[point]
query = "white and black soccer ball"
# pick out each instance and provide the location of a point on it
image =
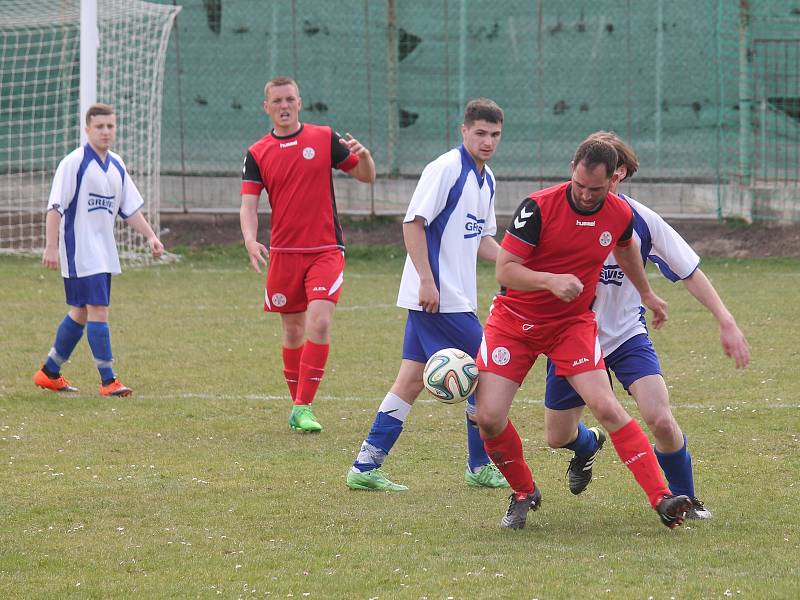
(450, 375)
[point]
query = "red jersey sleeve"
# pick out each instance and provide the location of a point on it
(340, 156)
(522, 234)
(627, 236)
(251, 177)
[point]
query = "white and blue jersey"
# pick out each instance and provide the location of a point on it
(621, 326)
(89, 193)
(457, 203)
(618, 306)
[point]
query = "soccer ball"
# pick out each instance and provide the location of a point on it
(450, 375)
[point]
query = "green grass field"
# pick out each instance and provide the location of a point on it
(195, 487)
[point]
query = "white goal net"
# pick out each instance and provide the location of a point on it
(39, 105)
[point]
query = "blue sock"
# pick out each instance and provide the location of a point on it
(68, 335)
(476, 453)
(677, 467)
(99, 337)
(586, 442)
(386, 428)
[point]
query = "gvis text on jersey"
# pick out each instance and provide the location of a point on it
(473, 226)
(611, 275)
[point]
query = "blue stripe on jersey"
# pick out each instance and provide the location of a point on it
(491, 188)
(435, 230)
(69, 214)
(664, 268)
(92, 154)
(469, 162)
(643, 231)
(647, 244)
(116, 163)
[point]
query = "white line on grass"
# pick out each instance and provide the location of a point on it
(425, 400)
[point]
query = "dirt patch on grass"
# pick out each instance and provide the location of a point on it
(708, 238)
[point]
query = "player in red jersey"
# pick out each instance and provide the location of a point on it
(549, 266)
(293, 163)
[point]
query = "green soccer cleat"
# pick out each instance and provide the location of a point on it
(488, 476)
(302, 419)
(374, 479)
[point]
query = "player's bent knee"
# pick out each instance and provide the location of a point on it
(609, 411)
(663, 426)
(558, 441)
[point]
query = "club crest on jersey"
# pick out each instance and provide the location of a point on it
(308, 153)
(278, 299)
(501, 356)
(474, 226)
(605, 238)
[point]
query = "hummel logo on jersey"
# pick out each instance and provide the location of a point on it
(319, 288)
(635, 457)
(584, 223)
(288, 144)
(474, 226)
(519, 222)
(611, 275)
(580, 361)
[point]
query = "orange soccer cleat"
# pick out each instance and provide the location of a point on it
(54, 384)
(115, 388)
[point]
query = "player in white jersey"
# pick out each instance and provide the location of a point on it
(450, 222)
(90, 188)
(629, 352)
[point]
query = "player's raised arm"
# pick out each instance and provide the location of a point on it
(248, 220)
(365, 169)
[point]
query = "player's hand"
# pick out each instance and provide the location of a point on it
(428, 296)
(659, 308)
(156, 247)
(50, 258)
(734, 344)
(565, 286)
(353, 145)
(258, 253)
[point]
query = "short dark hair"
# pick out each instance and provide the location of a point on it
(594, 152)
(280, 80)
(98, 109)
(625, 154)
(482, 109)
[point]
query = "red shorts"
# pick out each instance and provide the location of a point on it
(294, 279)
(510, 345)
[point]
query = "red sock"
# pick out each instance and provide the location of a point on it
(506, 452)
(291, 368)
(634, 449)
(312, 367)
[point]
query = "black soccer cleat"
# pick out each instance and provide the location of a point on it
(579, 471)
(698, 510)
(673, 509)
(518, 509)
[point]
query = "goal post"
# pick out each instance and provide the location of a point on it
(41, 109)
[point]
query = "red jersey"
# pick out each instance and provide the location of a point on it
(296, 172)
(554, 236)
